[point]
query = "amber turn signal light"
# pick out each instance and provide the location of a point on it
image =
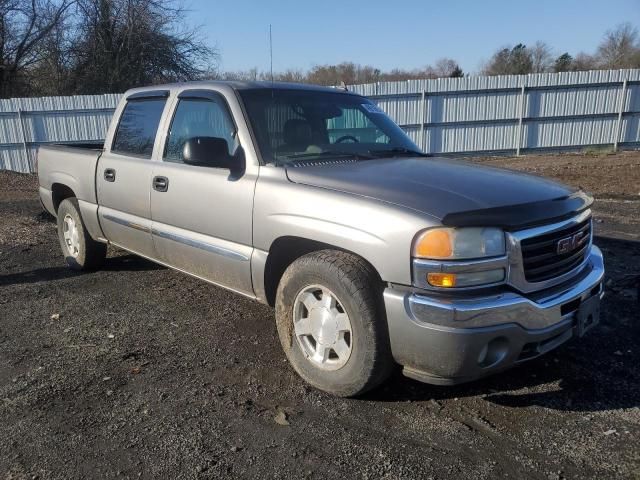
(436, 243)
(445, 280)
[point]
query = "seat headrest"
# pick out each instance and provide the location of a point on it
(297, 133)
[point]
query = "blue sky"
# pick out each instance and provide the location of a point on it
(393, 33)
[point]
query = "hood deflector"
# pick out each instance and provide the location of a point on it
(517, 217)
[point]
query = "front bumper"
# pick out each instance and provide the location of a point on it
(450, 340)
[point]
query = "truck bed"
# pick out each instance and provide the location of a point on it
(73, 166)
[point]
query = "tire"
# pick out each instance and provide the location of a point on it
(312, 349)
(81, 252)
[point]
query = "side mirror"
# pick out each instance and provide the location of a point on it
(207, 152)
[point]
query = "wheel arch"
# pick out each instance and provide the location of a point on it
(60, 192)
(287, 249)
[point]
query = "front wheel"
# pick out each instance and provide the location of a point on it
(81, 252)
(331, 323)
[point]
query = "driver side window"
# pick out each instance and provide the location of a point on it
(197, 117)
(353, 123)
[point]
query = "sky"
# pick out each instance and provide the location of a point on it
(394, 33)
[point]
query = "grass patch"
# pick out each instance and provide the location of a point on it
(598, 150)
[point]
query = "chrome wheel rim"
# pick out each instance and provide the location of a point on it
(322, 327)
(71, 236)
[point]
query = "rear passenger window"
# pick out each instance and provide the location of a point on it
(138, 125)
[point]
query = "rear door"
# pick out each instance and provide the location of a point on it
(123, 178)
(202, 216)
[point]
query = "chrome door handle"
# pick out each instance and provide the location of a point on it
(160, 184)
(110, 175)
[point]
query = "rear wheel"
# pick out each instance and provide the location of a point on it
(331, 323)
(81, 252)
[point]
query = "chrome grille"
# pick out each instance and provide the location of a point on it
(542, 259)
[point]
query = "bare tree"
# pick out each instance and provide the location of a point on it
(128, 43)
(24, 25)
(291, 75)
(620, 48)
(348, 72)
(51, 75)
(252, 74)
(399, 74)
(541, 58)
(447, 67)
(584, 61)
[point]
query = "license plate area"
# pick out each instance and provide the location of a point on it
(588, 315)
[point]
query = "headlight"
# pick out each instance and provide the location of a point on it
(459, 258)
(459, 243)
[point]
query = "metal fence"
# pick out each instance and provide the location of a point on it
(500, 114)
(515, 113)
(26, 123)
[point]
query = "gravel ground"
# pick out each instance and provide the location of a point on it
(137, 371)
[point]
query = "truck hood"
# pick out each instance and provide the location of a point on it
(456, 192)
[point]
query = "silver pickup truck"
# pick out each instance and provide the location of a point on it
(313, 201)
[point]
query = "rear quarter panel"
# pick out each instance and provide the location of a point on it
(72, 167)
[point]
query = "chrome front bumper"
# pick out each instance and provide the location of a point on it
(449, 340)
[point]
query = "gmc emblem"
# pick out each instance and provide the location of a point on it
(568, 244)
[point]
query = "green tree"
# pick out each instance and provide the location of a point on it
(517, 60)
(564, 63)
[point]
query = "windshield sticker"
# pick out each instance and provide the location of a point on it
(371, 108)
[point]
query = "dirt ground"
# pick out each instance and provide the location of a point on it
(137, 371)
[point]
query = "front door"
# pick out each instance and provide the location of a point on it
(202, 216)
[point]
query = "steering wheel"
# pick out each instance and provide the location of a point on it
(347, 137)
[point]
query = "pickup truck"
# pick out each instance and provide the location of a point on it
(315, 202)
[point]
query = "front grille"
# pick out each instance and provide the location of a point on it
(540, 255)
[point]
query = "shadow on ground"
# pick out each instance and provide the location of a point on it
(124, 263)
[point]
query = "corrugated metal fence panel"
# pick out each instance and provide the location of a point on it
(568, 133)
(475, 106)
(631, 129)
(13, 158)
(476, 114)
(446, 115)
(631, 121)
(471, 138)
(9, 129)
(26, 123)
(566, 102)
(632, 101)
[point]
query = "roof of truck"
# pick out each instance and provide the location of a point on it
(237, 85)
(246, 85)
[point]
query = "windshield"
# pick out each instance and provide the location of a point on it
(291, 125)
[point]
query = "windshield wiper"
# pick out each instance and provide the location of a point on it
(392, 152)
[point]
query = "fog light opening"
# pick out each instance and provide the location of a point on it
(493, 352)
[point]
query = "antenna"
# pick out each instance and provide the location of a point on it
(271, 52)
